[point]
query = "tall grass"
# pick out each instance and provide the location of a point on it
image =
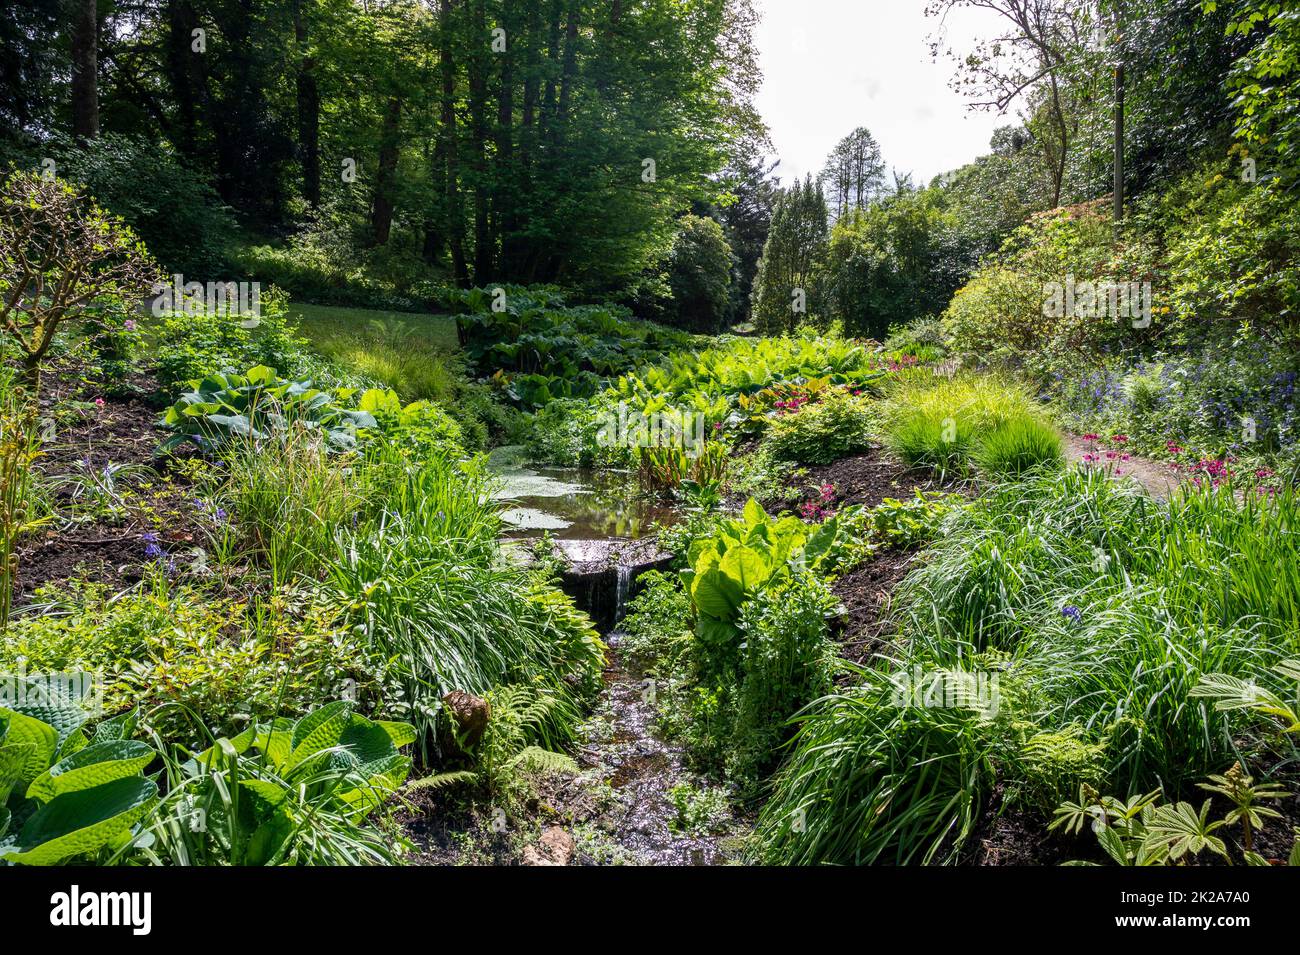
(950, 424)
(869, 782)
(424, 581)
(1102, 610)
(289, 498)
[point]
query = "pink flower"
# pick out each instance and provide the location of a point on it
(99, 402)
(1119, 438)
(1090, 437)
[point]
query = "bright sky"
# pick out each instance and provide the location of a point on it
(830, 66)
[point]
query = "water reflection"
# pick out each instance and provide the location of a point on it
(574, 504)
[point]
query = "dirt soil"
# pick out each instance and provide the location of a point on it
(1159, 480)
(86, 433)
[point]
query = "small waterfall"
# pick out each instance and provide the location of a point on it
(622, 585)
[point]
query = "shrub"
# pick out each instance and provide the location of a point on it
(787, 662)
(1018, 446)
(835, 427)
(54, 238)
(189, 346)
(699, 274)
(199, 661)
(944, 423)
(656, 622)
(174, 211)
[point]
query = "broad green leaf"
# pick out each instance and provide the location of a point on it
(78, 823)
(92, 766)
(747, 567)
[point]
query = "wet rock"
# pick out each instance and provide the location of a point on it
(555, 847)
(601, 574)
(467, 719)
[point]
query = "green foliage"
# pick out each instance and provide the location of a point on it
(289, 497)
(422, 583)
(672, 468)
(527, 726)
(225, 407)
(538, 348)
(821, 433)
(796, 245)
(1017, 447)
(65, 797)
(890, 262)
(699, 275)
(868, 782)
(195, 659)
(19, 448)
(179, 217)
(190, 345)
(912, 522)
(658, 618)
(1267, 80)
(1140, 831)
(786, 663)
(284, 793)
(950, 423)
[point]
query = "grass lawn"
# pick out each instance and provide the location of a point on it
(329, 323)
(411, 352)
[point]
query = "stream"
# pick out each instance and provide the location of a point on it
(635, 800)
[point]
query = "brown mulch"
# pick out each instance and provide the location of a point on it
(867, 479)
(867, 594)
(120, 431)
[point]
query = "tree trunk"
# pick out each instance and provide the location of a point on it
(180, 73)
(308, 110)
(483, 251)
(381, 210)
(455, 215)
(85, 69)
(506, 197)
(570, 65)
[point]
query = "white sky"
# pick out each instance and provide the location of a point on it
(830, 66)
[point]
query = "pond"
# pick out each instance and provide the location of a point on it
(574, 504)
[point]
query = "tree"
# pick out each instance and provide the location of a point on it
(899, 259)
(795, 246)
(854, 172)
(60, 254)
(746, 216)
(699, 274)
(1036, 58)
(85, 68)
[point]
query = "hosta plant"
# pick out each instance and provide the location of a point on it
(66, 797)
(257, 406)
(284, 794)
